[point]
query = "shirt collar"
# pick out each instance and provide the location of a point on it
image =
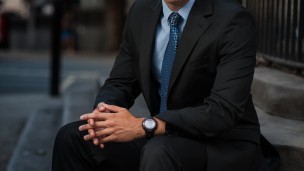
(184, 11)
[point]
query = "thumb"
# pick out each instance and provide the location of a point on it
(112, 108)
(101, 107)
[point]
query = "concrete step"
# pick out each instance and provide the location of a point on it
(34, 149)
(278, 93)
(79, 98)
(287, 136)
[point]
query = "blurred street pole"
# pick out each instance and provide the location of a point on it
(55, 49)
(301, 33)
(115, 21)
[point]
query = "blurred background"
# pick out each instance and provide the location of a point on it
(54, 54)
(26, 24)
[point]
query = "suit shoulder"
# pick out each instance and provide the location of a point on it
(226, 9)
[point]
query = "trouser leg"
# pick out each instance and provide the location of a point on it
(173, 154)
(71, 152)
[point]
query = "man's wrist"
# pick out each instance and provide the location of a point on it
(141, 132)
(161, 129)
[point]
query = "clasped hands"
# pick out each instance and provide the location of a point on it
(110, 123)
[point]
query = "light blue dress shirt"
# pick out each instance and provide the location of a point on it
(162, 35)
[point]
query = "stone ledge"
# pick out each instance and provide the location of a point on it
(278, 93)
(287, 136)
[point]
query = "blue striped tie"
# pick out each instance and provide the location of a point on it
(175, 20)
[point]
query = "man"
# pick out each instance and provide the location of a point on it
(194, 62)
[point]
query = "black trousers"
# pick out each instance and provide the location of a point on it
(161, 153)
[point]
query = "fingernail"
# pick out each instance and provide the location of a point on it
(80, 128)
(86, 137)
(95, 141)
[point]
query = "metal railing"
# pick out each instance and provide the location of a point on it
(280, 25)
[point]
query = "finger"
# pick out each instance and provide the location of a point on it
(100, 107)
(94, 115)
(112, 108)
(106, 139)
(91, 122)
(104, 132)
(91, 132)
(95, 141)
(85, 127)
(81, 118)
(101, 104)
(97, 129)
(101, 146)
(97, 113)
(88, 137)
(101, 124)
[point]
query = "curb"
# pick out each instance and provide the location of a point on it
(278, 93)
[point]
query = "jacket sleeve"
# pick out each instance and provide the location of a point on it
(121, 88)
(231, 90)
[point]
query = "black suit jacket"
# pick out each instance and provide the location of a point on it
(209, 92)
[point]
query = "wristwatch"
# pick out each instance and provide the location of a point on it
(149, 125)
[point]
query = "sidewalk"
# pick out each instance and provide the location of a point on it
(14, 112)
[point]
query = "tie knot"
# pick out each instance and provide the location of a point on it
(175, 19)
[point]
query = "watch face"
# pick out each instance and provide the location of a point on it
(150, 123)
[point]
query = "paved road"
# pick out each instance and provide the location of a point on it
(24, 73)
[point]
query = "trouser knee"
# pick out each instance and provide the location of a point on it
(68, 134)
(154, 150)
(157, 154)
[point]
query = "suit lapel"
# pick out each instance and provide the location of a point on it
(196, 25)
(149, 26)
